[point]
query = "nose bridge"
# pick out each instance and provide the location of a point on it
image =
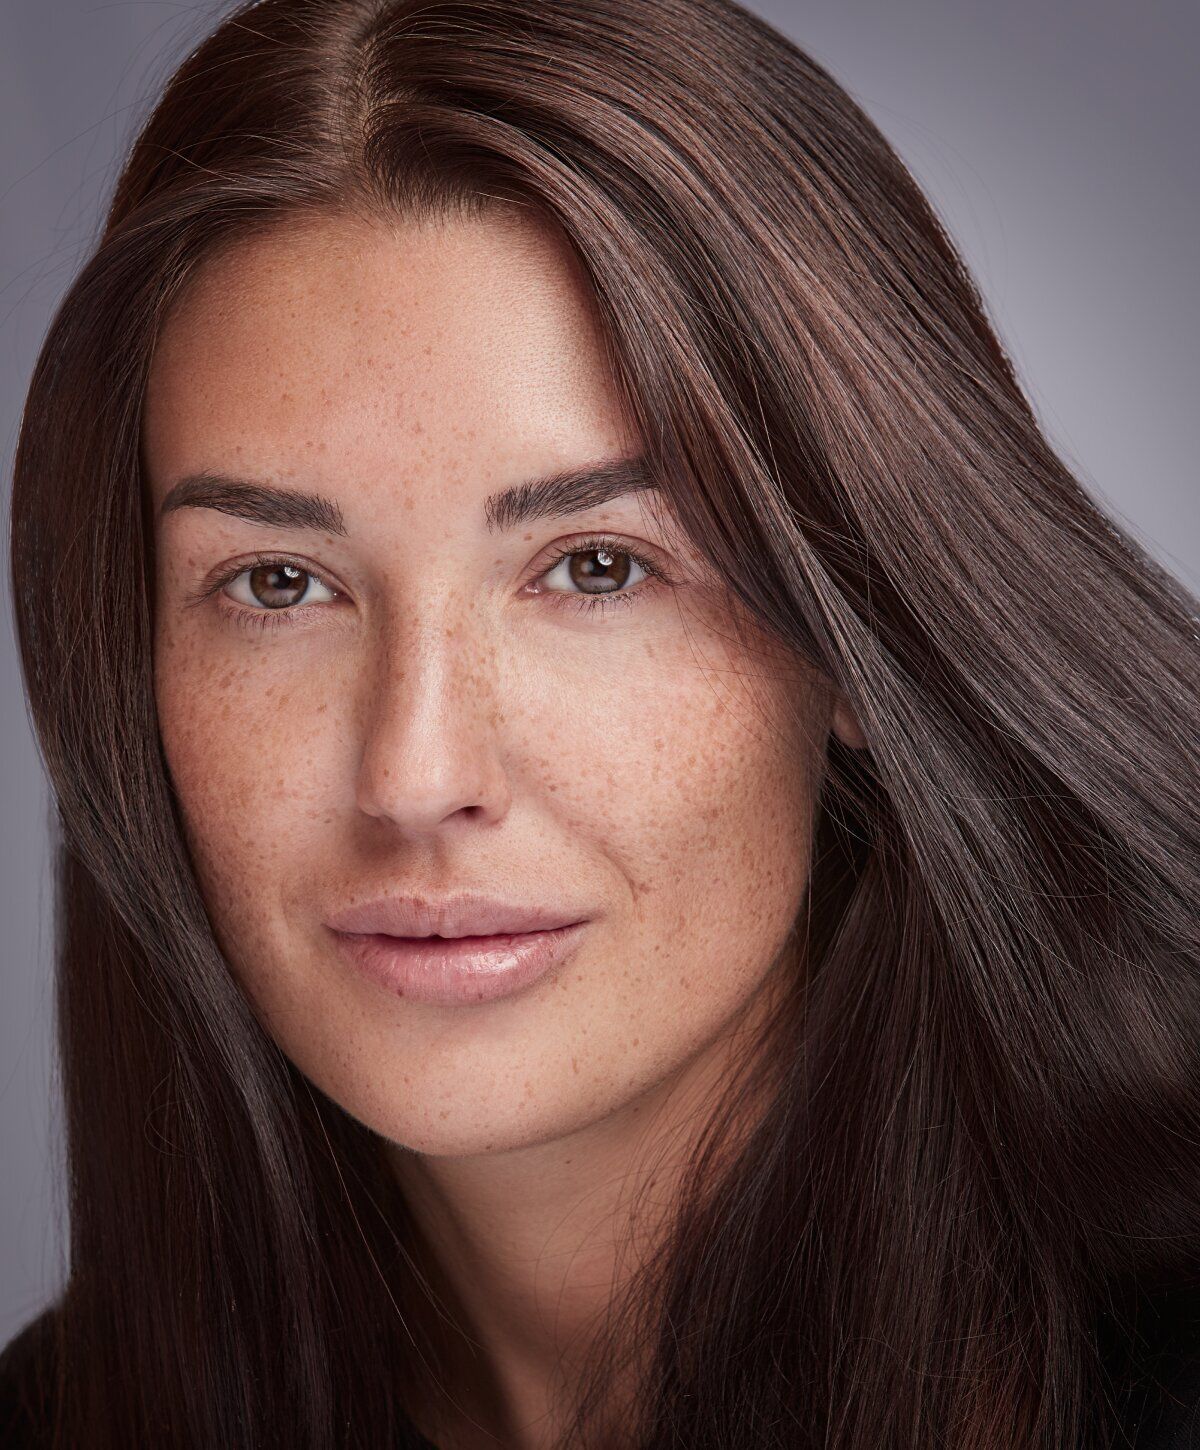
(429, 719)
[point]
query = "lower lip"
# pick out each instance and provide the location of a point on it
(458, 971)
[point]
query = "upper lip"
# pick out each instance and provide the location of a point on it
(463, 915)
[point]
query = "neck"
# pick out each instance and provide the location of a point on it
(527, 1250)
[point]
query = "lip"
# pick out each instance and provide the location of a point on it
(454, 950)
(466, 914)
(458, 971)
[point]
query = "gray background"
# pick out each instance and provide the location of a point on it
(1057, 141)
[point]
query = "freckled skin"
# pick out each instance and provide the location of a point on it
(436, 727)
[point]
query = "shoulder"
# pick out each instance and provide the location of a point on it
(26, 1379)
(28, 1367)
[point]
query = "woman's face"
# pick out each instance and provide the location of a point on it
(427, 705)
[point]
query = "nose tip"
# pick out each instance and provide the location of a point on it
(426, 804)
(429, 752)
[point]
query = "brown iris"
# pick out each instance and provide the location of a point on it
(284, 579)
(592, 566)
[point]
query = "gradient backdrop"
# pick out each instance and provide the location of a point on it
(1057, 139)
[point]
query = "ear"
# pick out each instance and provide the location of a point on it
(845, 724)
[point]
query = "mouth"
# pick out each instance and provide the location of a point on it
(459, 970)
(414, 918)
(435, 936)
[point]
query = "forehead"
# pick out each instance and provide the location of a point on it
(334, 346)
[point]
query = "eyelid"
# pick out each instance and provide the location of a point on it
(226, 574)
(639, 553)
(244, 614)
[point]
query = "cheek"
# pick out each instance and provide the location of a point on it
(244, 759)
(696, 779)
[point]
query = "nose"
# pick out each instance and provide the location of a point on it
(429, 729)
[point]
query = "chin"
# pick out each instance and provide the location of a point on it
(476, 1130)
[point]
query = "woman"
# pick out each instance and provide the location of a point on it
(628, 855)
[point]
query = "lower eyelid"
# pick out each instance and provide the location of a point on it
(641, 593)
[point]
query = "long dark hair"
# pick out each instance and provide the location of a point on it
(980, 1156)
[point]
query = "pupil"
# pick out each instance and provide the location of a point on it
(600, 566)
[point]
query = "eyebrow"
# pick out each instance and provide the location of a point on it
(555, 495)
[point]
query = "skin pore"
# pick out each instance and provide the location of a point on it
(439, 713)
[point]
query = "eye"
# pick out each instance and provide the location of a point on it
(599, 573)
(276, 584)
(270, 591)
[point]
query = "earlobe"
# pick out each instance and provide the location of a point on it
(846, 727)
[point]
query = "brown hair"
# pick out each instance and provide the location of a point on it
(980, 1154)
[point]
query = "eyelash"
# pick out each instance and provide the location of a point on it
(585, 603)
